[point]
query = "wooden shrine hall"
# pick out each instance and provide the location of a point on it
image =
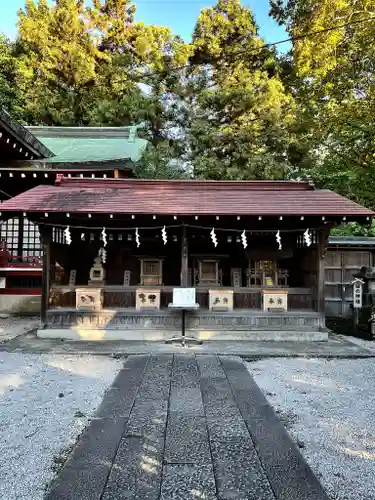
(114, 250)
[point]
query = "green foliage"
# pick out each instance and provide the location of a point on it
(10, 94)
(353, 229)
(237, 111)
(80, 64)
(332, 82)
(239, 125)
(157, 163)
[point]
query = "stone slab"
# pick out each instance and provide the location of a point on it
(218, 398)
(136, 472)
(155, 388)
(187, 401)
(185, 371)
(160, 362)
(134, 367)
(85, 474)
(288, 473)
(188, 482)
(148, 418)
(117, 403)
(119, 399)
(238, 471)
(157, 377)
(186, 440)
(210, 366)
(227, 427)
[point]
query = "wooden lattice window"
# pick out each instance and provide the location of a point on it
(208, 272)
(151, 272)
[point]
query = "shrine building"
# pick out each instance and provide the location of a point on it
(33, 156)
(115, 248)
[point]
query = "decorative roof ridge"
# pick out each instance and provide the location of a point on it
(56, 132)
(184, 183)
(24, 136)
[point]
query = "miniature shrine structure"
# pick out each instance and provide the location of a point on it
(114, 250)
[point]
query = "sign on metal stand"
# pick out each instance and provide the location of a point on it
(183, 300)
(357, 299)
(357, 293)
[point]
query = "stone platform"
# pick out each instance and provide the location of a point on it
(185, 427)
(132, 325)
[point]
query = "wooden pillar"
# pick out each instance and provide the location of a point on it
(21, 228)
(321, 248)
(46, 235)
(184, 257)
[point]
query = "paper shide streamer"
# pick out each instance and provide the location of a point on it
(67, 236)
(213, 237)
(278, 239)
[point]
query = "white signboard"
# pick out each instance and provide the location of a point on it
(184, 297)
(357, 294)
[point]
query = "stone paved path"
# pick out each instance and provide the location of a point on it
(185, 427)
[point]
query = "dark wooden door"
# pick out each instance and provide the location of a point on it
(340, 265)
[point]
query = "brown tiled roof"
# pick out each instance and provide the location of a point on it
(127, 196)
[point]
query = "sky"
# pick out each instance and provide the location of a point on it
(179, 15)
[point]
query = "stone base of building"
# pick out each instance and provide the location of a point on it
(19, 304)
(132, 325)
(87, 334)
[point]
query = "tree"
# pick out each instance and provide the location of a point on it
(10, 94)
(240, 115)
(82, 65)
(335, 92)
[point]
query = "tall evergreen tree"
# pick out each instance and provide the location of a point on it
(241, 116)
(83, 64)
(335, 91)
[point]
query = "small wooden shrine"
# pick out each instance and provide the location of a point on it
(114, 250)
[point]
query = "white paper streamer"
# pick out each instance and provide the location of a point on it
(103, 255)
(278, 239)
(307, 237)
(164, 235)
(67, 236)
(213, 237)
(103, 237)
(244, 239)
(137, 240)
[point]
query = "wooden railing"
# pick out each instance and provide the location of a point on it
(124, 297)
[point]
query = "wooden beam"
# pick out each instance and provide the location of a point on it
(321, 249)
(46, 235)
(184, 257)
(20, 236)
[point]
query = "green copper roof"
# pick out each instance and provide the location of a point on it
(90, 144)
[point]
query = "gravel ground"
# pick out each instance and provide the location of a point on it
(11, 327)
(45, 403)
(328, 408)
